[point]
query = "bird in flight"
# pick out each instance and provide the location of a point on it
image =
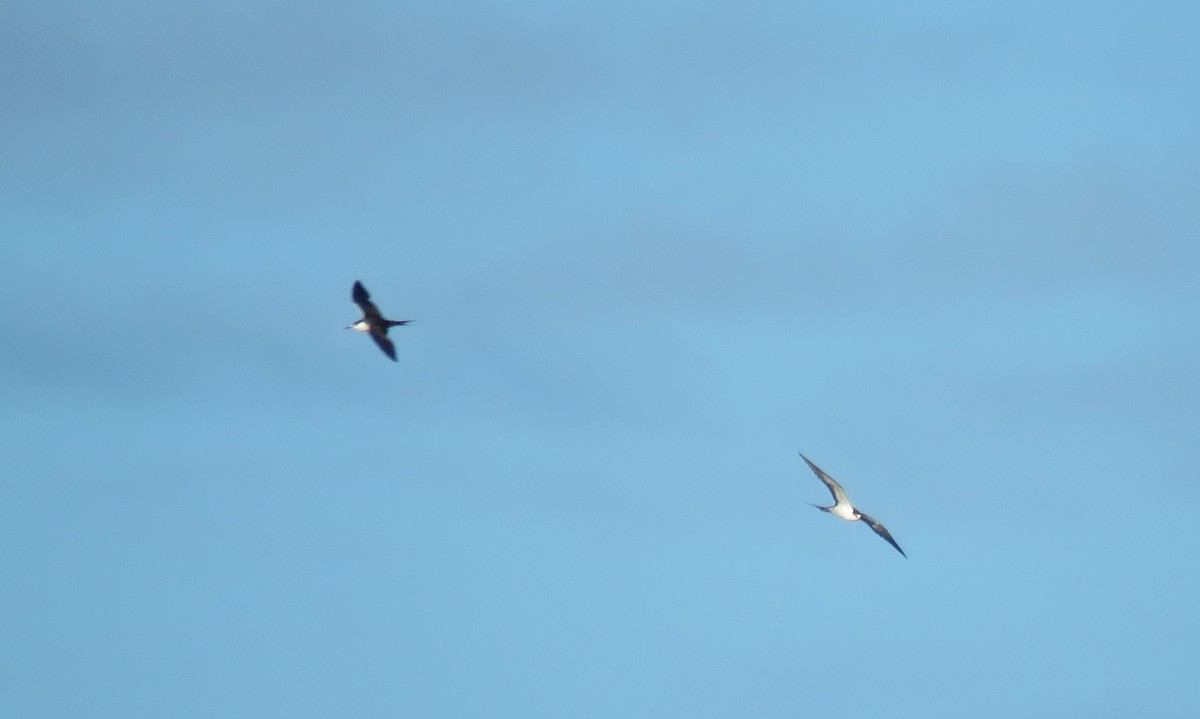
(842, 507)
(373, 322)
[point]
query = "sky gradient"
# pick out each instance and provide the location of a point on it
(652, 250)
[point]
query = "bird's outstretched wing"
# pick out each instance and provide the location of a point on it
(881, 531)
(362, 298)
(385, 344)
(839, 494)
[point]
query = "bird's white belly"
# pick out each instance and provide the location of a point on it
(844, 511)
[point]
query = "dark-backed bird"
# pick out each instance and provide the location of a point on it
(372, 321)
(842, 507)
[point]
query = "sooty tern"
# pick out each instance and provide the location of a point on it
(842, 507)
(374, 322)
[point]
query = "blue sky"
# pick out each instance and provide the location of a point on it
(652, 250)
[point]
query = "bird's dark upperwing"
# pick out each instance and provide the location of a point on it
(362, 298)
(881, 531)
(385, 344)
(839, 494)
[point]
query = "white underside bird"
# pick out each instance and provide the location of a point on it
(372, 321)
(842, 507)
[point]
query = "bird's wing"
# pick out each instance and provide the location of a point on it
(385, 344)
(362, 298)
(839, 494)
(881, 531)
